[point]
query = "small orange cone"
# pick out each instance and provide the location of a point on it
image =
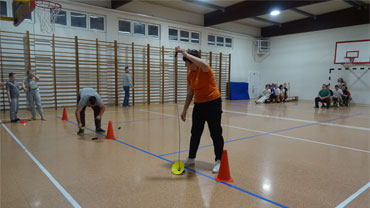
(224, 173)
(65, 117)
(110, 134)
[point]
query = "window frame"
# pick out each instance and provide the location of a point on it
(223, 41)
(214, 42)
(231, 46)
(152, 36)
(191, 38)
(138, 34)
(7, 3)
(123, 32)
(188, 38)
(87, 20)
(67, 20)
(177, 37)
(104, 22)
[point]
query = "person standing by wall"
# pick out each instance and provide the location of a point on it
(13, 88)
(127, 83)
(33, 95)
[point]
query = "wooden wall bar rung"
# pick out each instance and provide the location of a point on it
(69, 64)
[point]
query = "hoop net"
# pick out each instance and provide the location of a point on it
(47, 12)
(350, 62)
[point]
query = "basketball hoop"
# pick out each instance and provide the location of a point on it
(47, 12)
(350, 62)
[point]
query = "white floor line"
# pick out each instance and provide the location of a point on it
(353, 196)
(280, 135)
(298, 120)
(43, 169)
(300, 139)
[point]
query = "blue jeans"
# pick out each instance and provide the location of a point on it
(127, 95)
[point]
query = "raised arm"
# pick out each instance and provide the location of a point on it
(195, 60)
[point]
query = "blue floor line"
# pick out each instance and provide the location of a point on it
(192, 170)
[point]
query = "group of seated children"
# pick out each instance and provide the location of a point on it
(339, 97)
(273, 93)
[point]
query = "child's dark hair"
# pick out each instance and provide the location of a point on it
(336, 86)
(92, 100)
(11, 74)
(191, 52)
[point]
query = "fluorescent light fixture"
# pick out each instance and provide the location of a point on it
(275, 12)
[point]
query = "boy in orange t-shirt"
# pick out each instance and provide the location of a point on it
(207, 105)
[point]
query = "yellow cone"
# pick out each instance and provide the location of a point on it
(178, 168)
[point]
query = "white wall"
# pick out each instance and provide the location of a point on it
(241, 52)
(304, 60)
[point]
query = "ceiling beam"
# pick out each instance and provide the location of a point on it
(303, 13)
(353, 3)
(266, 21)
(246, 9)
(341, 18)
(117, 3)
(205, 4)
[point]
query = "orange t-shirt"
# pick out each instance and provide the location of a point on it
(203, 85)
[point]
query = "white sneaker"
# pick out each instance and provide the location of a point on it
(216, 168)
(189, 162)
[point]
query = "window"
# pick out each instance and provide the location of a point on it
(29, 17)
(124, 26)
(184, 36)
(220, 41)
(139, 28)
(153, 31)
(195, 37)
(211, 40)
(228, 42)
(61, 18)
(173, 34)
(78, 20)
(96, 22)
(3, 9)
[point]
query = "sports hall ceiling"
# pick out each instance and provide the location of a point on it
(295, 16)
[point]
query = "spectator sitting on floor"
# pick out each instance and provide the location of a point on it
(281, 94)
(341, 82)
(331, 93)
(323, 97)
(277, 93)
(337, 96)
(265, 95)
(346, 97)
(273, 93)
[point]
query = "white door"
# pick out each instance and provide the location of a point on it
(254, 81)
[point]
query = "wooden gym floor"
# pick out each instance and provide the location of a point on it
(280, 155)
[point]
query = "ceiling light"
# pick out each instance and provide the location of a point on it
(275, 12)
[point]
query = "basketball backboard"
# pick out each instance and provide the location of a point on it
(354, 52)
(22, 9)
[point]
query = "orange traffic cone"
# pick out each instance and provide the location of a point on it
(224, 173)
(110, 134)
(65, 117)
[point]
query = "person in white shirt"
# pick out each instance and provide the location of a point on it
(277, 93)
(337, 96)
(265, 95)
